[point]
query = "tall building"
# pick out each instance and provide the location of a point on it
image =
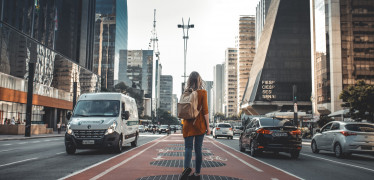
(111, 34)
(218, 88)
(282, 60)
(175, 106)
(105, 38)
(209, 89)
(342, 49)
(55, 73)
(166, 93)
(135, 66)
(262, 9)
(231, 81)
(65, 26)
(246, 53)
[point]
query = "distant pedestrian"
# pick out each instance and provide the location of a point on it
(195, 129)
(59, 128)
(12, 121)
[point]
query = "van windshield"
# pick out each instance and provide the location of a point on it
(101, 108)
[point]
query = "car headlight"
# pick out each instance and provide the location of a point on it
(111, 128)
(68, 130)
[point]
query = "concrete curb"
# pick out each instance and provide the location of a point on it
(22, 137)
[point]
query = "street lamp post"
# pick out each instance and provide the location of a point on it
(185, 38)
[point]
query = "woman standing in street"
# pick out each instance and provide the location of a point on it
(195, 131)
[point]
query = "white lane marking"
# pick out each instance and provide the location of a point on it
(17, 162)
(241, 160)
(364, 156)
(35, 141)
(337, 162)
(274, 179)
(122, 163)
(145, 135)
(60, 153)
(7, 150)
(92, 166)
(47, 140)
(263, 162)
(22, 143)
(7, 144)
(306, 143)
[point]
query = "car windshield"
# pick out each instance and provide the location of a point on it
(141, 126)
(360, 127)
(224, 125)
(274, 122)
(102, 108)
(164, 126)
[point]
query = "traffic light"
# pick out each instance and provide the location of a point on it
(294, 93)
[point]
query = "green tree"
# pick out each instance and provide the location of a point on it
(165, 117)
(219, 117)
(360, 100)
(323, 120)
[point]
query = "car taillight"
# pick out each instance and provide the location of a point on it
(218, 128)
(263, 131)
(230, 129)
(296, 132)
(346, 133)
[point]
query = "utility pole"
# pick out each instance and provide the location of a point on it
(31, 72)
(156, 74)
(185, 38)
(294, 93)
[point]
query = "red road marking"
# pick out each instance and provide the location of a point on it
(136, 163)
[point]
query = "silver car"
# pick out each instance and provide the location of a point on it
(344, 138)
(223, 130)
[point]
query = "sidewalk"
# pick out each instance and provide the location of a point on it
(22, 137)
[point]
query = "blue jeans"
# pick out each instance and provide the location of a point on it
(188, 145)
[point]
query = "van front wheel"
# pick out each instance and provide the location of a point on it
(118, 147)
(70, 148)
(135, 142)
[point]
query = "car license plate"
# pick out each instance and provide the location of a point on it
(279, 134)
(366, 147)
(88, 142)
(224, 132)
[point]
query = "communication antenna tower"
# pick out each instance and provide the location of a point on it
(155, 92)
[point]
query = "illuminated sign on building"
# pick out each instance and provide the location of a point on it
(267, 89)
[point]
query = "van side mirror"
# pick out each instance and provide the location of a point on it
(68, 115)
(318, 130)
(125, 115)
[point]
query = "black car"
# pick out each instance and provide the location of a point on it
(271, 134)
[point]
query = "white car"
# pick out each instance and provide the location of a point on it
(344, 138)
(141, 128)
(223, 130)
(237, 130)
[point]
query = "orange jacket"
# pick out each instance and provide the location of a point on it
(200, 126)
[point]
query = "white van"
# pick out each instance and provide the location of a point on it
(102, 120)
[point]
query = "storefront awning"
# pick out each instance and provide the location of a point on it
(339, 113)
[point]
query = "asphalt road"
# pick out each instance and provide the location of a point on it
(45, 158)
(323, 165)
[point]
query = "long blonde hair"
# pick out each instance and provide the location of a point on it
(195, 81)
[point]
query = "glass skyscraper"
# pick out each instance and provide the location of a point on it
(111, 34)
(282, 60)
(29, 32)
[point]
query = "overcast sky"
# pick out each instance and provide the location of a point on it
(216, 25)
